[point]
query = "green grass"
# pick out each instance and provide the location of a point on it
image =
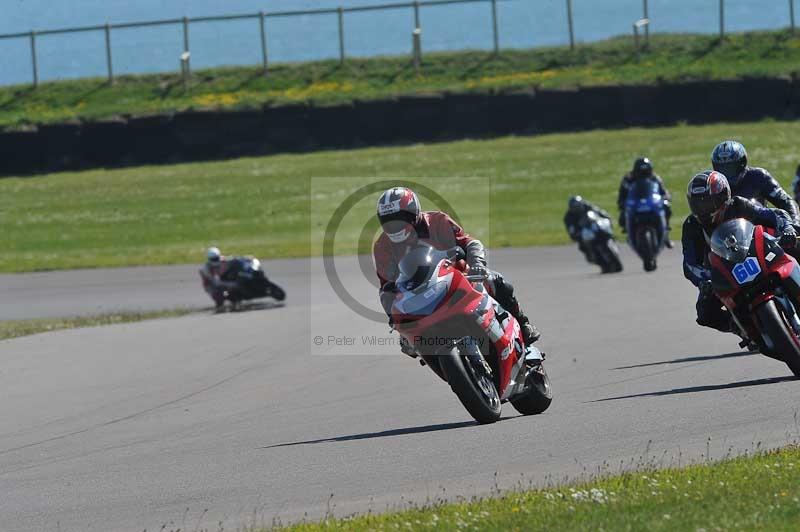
(760, 492)
(510, 192)
(17, 328)
(670, 58)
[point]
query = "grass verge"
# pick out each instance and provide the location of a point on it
(509, 192)
(17, 328)
(669, 58)
(760, 492)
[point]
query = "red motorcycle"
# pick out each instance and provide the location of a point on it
(457, 328)
(759, 283)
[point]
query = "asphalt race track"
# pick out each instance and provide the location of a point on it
(240, 418)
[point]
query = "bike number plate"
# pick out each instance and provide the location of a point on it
(746, 271)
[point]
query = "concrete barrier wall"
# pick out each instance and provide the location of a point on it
(195, 135)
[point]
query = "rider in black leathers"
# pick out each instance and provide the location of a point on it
(577, 210)
(711, 203)
(730, 158)
(642, 169)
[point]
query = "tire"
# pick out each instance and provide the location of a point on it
(538, 399)
(601, 257)
(647, 248)
(774, 325)
(483, 403)
(614, 262)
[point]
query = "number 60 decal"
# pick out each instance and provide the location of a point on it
(746, 271)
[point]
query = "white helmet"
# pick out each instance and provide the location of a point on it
(213, 254)
(399, 213)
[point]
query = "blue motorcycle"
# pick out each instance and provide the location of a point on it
(646, 221)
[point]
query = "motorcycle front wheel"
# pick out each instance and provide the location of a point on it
(613, 262)
(646, 243)
(785, 342)
(470, 380)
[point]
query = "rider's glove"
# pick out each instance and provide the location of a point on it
(788, 237)
(406, 348)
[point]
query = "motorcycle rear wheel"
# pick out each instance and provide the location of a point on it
(774, 325)
(539, 397)
(472, 385)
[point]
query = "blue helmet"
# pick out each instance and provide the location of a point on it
(730, 159)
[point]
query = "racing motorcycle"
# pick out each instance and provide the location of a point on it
(250, 282)
(597, 239)
(457, 329)
(759, 284)
(646, 221)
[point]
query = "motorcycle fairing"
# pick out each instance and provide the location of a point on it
(464, 299)
(425, 299)
(772, 261)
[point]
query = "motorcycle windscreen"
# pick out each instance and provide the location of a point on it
(418, 266)
(424, 300)
(644, 196)
(732, 239)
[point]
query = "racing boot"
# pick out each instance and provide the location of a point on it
(529, 332)
(504, 293)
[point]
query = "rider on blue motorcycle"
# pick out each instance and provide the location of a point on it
(577, 210)
(711, 204)
(730, 158)
(642, 169)
(404, 224)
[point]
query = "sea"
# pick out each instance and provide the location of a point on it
(452, 26)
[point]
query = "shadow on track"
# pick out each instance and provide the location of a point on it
(247, 307)
(382, 434)
(690, 359)
(707, 388)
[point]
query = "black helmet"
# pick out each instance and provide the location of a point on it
(576, 204)
(399, 213)
(708, 193)
(642, 167)
(730, 158)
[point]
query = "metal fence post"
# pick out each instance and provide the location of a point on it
(186, 45)
(33, 59)
(263, 41)
(416, 41)
(340, 13)
(721, 19)
(108, 55)
(416, 13)
(791, 15)
(494, 28)
(569, 22)
(646, 28)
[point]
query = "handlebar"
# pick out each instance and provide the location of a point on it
(456, 253)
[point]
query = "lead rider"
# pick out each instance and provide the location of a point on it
(404, 224)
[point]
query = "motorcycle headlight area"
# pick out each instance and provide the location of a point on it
(424, 300)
